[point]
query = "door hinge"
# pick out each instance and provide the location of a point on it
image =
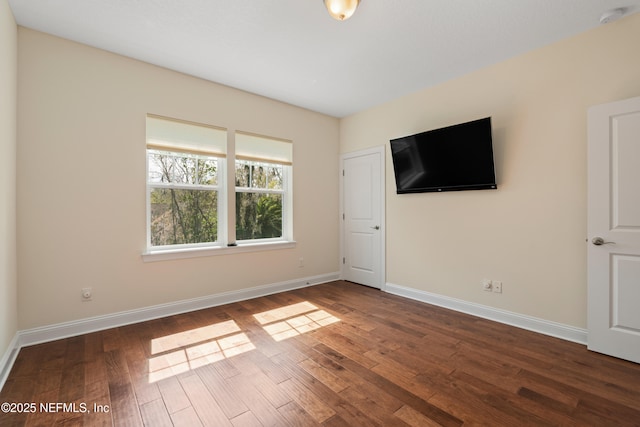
(343, 260)
(342, 172)
(343, 216)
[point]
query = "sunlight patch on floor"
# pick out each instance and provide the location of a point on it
(193, 336)
(184, 351)
(295, 319)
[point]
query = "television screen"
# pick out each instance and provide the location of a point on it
(453, 158)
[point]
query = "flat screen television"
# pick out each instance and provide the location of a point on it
(453, 158)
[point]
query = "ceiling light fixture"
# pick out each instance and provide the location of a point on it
(341, 9)
(612, 15)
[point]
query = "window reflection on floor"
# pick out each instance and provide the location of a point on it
(184, 351)
(295, 319)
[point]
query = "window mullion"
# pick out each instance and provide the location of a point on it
(229, 210)
(196, 178)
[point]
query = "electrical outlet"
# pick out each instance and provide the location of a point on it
(486, 285)
(497, 286)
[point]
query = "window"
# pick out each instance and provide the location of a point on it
(183, 197)
(263, 168)
(187, 187)
(184, 164)
(259, 197)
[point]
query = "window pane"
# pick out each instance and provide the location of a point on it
(274, 177)
(183, 216)
(258, 216)
(185, 170)
(258, 176)
(160, 167)
(182, 168)
(207, 171)
(242, 174)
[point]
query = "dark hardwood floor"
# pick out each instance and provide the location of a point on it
(336, 354)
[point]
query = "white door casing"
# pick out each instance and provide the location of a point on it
(613, 254)
(362, 224)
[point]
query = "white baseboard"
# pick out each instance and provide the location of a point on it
(558, 330)
(98, 323)
(8, 358)
(92, 324)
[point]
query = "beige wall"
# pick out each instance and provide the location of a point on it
(8, 278)
(81, 183)
(80, 172)
(531, 232)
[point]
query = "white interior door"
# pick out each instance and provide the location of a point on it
(363, 217)
(614, 229)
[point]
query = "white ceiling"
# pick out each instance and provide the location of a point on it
(292, 51)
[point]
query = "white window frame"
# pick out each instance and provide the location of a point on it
(219, 188)
(226, 233)
(285, 192)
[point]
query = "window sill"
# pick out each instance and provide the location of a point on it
(171, 254)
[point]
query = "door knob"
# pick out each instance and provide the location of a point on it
(598, 241)
(377, 227)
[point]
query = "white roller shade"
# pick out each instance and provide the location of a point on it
(263, 149)
(185, 137)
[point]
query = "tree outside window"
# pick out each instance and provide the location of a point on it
(187, 186)
(259, 197)
(183, 198)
